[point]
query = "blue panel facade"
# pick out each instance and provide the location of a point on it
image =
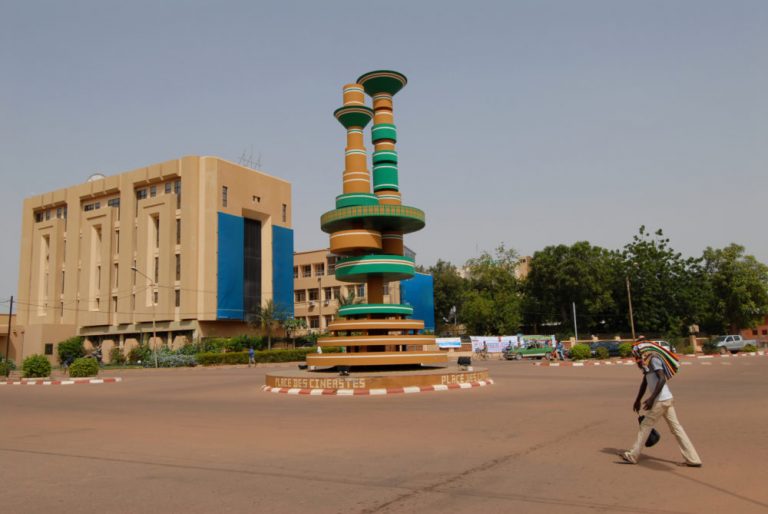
(230, 267)
(418, 292)
(282, 269)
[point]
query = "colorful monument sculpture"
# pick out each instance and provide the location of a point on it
(366, 230)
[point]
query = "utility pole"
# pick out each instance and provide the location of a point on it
(575, 326)
(8, 339)
(631, 315)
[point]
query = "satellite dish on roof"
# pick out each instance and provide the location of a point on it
(96, 176)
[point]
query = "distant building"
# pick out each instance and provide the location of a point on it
(317, 292)
(760, 332)
(196, 244)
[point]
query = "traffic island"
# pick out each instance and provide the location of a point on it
(370, 382)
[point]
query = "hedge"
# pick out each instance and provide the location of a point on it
(581, 352)
(84, 367)
(299, 354)
(36, 366)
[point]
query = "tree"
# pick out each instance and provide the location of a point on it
(293, 325)
(738, 286)
(349, 299)
(582, 274)
(266, 317)
(493, 301)
(668, 291)
(449, 291)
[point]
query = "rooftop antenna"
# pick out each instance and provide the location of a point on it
(247, 159)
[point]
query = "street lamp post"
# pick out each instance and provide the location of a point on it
(154, 313)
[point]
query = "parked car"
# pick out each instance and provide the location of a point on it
(531, 351)
(611, 346)
(732, 343)
(665, 344)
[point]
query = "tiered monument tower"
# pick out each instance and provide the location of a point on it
(366, 230)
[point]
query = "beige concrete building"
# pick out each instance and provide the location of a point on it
(195, 244)
(317, 292)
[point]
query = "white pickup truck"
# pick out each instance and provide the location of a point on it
(732, 343)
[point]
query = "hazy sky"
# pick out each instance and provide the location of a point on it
(528, 123)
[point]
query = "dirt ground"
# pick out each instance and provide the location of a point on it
(541, 439)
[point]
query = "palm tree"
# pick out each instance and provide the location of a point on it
(265, 318)
(350, 299)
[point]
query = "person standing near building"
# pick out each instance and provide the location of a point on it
(251, 357)
(658, 366)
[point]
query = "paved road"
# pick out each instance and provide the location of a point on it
(539, 440)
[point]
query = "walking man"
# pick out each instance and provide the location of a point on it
(251, 357)
(658, 366)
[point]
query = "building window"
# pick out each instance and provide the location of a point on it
(116, 269)
(141, 194)
(91, 206)
(155, 296)
(39, 216)
(178, 267)
(177, 190)
(48, 214)
(152, 191)
(177, 297)
(114, 304)
(133, 302)
(331, 265)
(113, 202)
(49, 348)
(256, 199)
(168, 187)
(178, 231)
(312, 295)
(117, 241)
(754, 332)
(285, 212)
(98, 277)
(61, 309)
(328, 320)
(62, 281)
(157, 269)
(314, 322)
(224, 195)
(765, 331)
(300, 296)
(327, 293)
(156, 225)
(319, 270)
(360, 291)
(306, 270)
(336, 293)
(295, 272)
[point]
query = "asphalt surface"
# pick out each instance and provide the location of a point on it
(541, 439)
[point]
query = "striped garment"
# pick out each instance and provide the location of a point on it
(646, 350)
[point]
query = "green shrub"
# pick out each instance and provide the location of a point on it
(6, 366)
(749, 348)
(625, 349)
(297, 355)
(710, 348)
(139, 355)
(602, 353)
(581, 352)
(687, 350)
(70, 349)
(84, 367)
(36, 366)
(116, 356)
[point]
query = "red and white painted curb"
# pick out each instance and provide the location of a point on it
(630, 362)
(25, 382)
(375, 392)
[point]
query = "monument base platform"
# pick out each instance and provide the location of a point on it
(375, 382)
